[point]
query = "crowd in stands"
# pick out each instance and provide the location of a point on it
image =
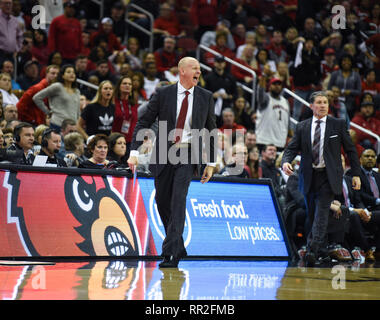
(289, 44)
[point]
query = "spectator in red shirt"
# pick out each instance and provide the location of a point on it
(290, 7)
(276, 48)
(369, 83)
(239, 34)
(105, 32)
(125, 117)
(167, 57)
(366, 119)
(65, 34)
(328, 65)
(86, 49)
(221, 47)
(40, 49)
(167, 22)
(229, 125)
(27, 109)
(246, 58)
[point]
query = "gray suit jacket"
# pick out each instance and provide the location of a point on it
(163, 106)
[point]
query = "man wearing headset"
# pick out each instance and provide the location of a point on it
(50, 146)
(23, 143)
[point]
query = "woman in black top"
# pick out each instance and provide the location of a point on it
(98, 116)
(117, 150)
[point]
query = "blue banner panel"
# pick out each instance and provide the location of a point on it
(224, 219)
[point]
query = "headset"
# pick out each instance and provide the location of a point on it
(45, 136)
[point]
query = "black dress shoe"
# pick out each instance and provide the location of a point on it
(310, 259)
(169, 262)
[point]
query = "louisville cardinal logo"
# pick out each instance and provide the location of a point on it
(63, 215)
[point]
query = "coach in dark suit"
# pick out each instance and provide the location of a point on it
(320, 139)
(370, 180)
(183, 109)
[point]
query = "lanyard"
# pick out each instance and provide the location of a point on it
(123, 111)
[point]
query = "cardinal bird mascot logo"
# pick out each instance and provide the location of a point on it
(63, 215)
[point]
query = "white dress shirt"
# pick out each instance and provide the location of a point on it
(321, 163)
(186, 134)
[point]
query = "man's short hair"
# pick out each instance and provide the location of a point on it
(317, 94)
(268, 145)
(47, 135)
(6, 60)
(81, 56)
(102, 61)
(67, 122)
(52, 66)
(226, 110)
(17, 130)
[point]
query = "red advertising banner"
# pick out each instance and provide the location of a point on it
(55, 214)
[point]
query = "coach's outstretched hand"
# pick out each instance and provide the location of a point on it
(207, 174)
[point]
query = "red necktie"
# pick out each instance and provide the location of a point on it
(181, 118)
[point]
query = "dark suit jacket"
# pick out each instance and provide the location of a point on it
(336, 137)
(365, 192)
(354, 195)
(163, 105)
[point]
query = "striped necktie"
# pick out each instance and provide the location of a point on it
(316, 142)
(374, 187)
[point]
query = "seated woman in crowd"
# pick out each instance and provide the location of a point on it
(118, 148)
(74, 145)
(38, 132)
(224, 152)
(6, 90)
(253, 162)
(98, 147)
(8, 137)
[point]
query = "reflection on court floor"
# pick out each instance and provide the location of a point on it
(193, 280)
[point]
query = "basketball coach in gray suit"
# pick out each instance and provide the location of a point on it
(183, 109)
(319, 140)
